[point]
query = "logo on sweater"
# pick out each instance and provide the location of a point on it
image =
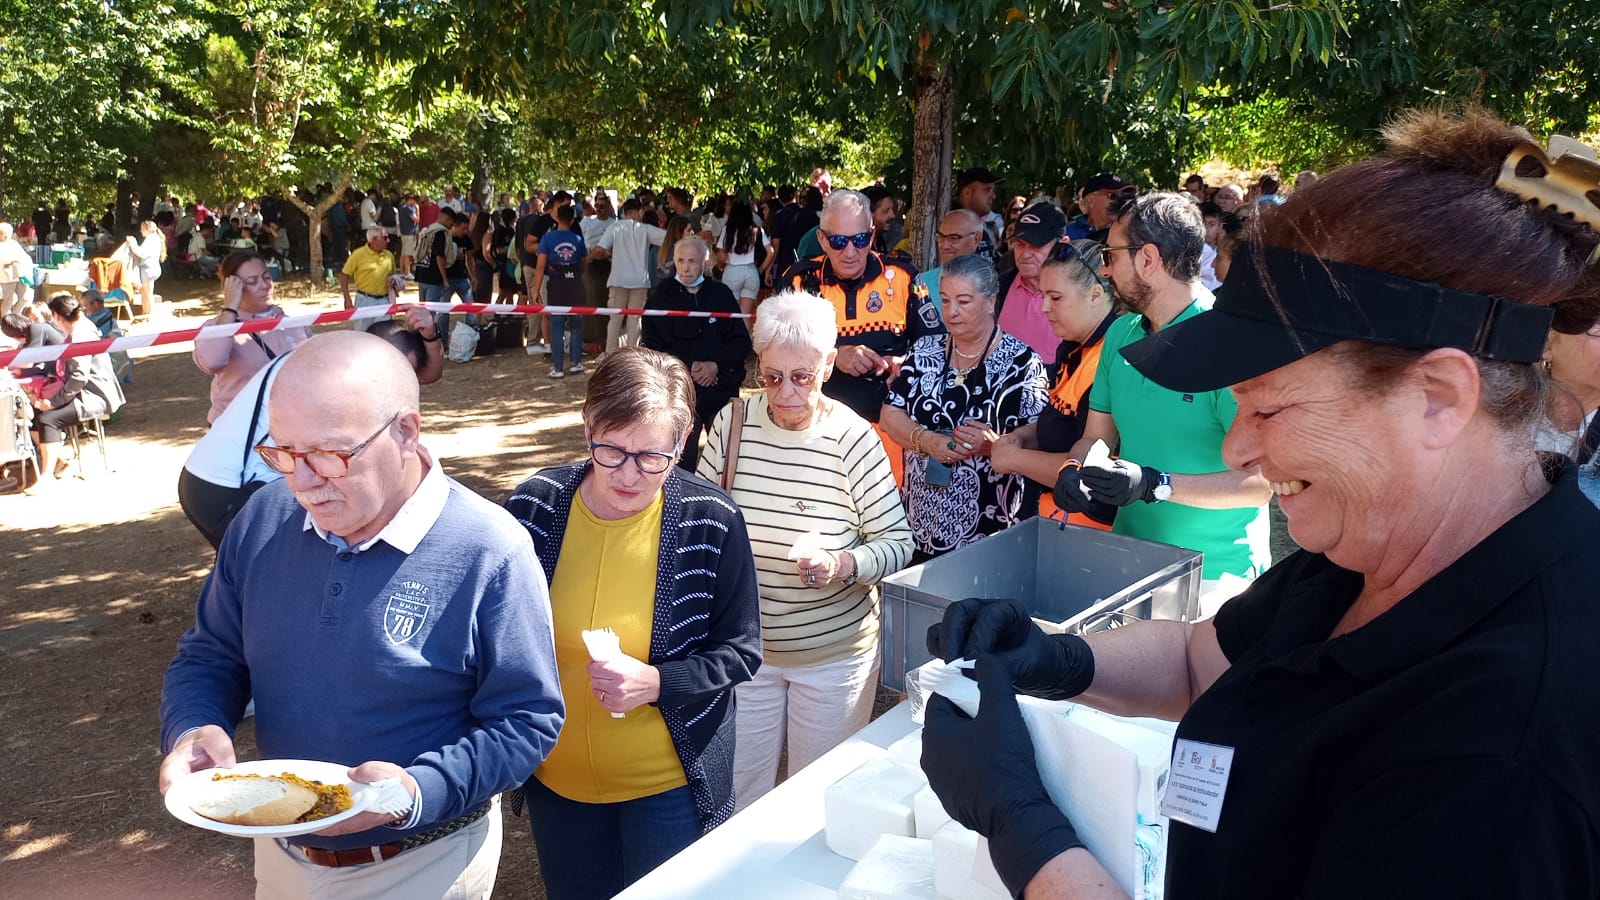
(406, 613)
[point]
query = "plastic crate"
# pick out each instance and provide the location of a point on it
(1073, 580)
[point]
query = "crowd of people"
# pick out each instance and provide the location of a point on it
(1159, 363)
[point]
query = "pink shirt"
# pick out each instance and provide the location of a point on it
(1023, 318)
(232, 361)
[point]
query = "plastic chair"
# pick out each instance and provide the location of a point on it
(16, 444)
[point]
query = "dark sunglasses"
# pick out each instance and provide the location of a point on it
(1081, 250)
(840, 241)
(1105, 252)
(1576, 317)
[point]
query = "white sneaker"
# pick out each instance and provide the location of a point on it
(575, 369)
(538, 349)
(557, 373)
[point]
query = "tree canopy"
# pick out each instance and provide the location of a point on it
(227, 96)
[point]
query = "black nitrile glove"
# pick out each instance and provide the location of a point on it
(1122, 483)
(1068, 497)
(984, 773)
(1049, 666)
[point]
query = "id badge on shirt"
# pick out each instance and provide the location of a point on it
(1197, 784)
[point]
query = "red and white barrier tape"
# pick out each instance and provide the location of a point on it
(30, 355)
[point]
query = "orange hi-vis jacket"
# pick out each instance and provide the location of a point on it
(883, 310)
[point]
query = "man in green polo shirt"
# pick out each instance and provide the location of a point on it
(1169, 476)
(368, 270)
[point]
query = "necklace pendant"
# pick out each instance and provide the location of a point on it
(961, 379)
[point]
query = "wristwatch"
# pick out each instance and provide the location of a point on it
(432, 340)
(1163, 489)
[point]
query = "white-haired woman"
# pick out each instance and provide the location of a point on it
(826, 525)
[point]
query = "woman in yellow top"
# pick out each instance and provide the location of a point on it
(1080, 305)
(631, 543)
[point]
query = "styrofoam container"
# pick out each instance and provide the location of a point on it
(959, 872)
(895, 867)
(873, 800)
(929, 812)
(1072, 579)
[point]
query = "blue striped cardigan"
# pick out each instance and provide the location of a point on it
(705, 636)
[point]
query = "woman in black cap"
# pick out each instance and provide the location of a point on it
(1410, 705)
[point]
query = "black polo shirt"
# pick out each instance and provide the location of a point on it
(1449, 748)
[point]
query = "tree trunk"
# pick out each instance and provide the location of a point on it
(933, 103)
(147, 181)
(314, 215)
(124, 209)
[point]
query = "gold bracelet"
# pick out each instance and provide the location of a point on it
(916, 439)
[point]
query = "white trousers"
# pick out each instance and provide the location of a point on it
(13, 297)
(624, 298)
(461, 866)
(817, 707)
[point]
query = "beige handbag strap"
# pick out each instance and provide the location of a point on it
(730, 458)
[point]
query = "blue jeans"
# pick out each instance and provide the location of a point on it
(441, 293)
(597, 849)
(572, 347)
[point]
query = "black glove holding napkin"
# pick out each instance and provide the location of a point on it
(1048, 666)
(983, 771)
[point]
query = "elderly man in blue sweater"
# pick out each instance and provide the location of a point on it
(383, 617)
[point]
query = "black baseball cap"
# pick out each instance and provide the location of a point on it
(1278, 306)
(975, 175)
(1108, 182)
(1041, 224)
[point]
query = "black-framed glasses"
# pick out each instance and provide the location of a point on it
(840, 241)
(325, 463)
(1105, 252)
(801, 380)
(650, 462)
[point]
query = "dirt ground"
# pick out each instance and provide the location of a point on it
(101, 576)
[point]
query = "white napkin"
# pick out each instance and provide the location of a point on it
(389, 796)
(808, 544)
(603, 644)
(1098, 457)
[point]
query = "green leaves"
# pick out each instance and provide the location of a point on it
(251, 94)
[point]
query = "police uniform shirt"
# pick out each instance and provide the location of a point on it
(884, 310)
(1448, 748)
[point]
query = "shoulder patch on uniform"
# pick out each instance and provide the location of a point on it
(930, 316)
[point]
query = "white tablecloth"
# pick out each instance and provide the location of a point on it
(775, 849)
